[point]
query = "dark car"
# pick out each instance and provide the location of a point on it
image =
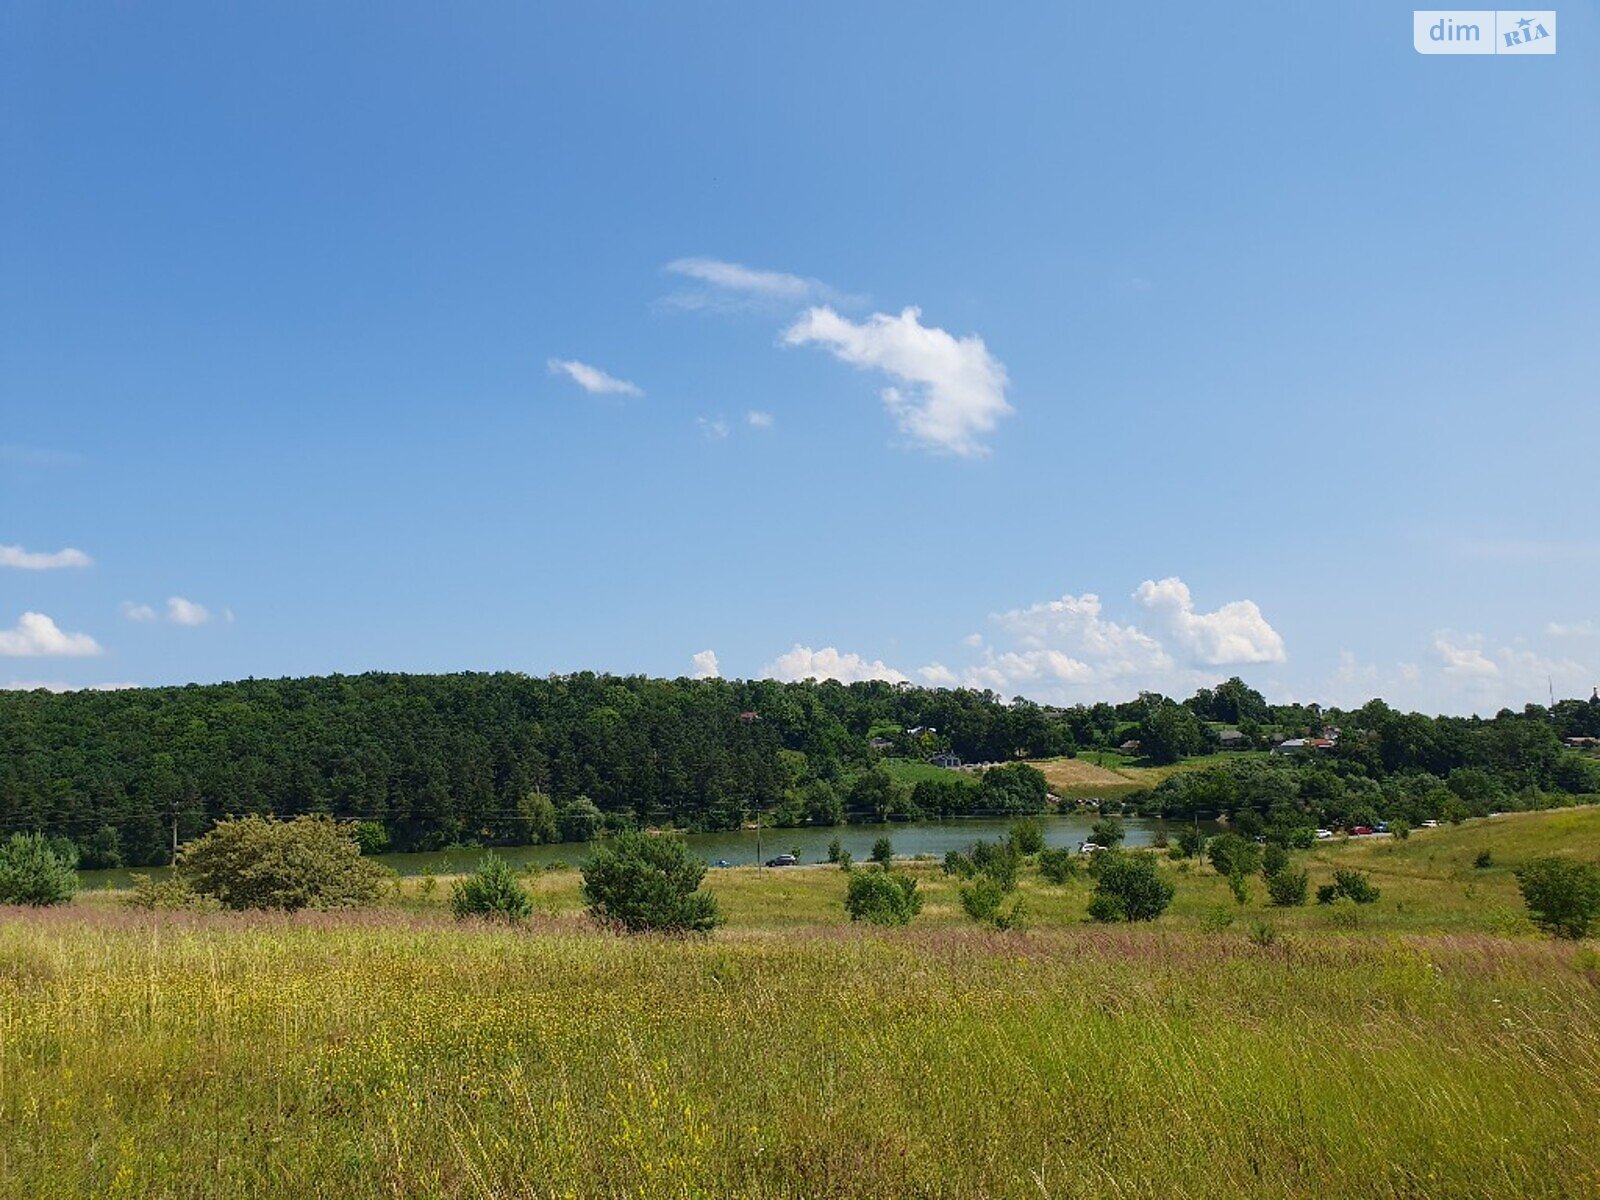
(783, 860)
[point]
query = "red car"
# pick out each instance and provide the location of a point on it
(1359, 830)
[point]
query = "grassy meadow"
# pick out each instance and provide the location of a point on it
(1429, 1045)
(1110, 775)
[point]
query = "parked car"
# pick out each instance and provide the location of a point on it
(1381, 827)
(1429, 825)
(783, 860)
(1324, 834)
(1089, 847)
(722, 862)
(1361, 831)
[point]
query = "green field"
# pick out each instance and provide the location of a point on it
(1434, 1046)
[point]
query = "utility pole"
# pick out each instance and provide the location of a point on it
(174, 836)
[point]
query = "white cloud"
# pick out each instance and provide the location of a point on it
(802, 662)
(705, 665)
(55, 685)
(33, 560)
(186, 612)
(1468, 660)
(938, 675)
(1234, 633)
(715, 428)
(137, 612)
(37, 636)
(1576, 629)
(592, 379)
(757, 419)
(952, 389)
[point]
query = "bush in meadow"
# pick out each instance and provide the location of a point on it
(36, 871)
(1058, 865)
(984, 901)
(882, 897)
(1231, 854)
(1190, 843)
(1288, 888)
(1563, 896)
(644, 882)
(1108, 832)
(1027, 836)
(883, 852)
(1348, 885)
(1129, 888)
(262, 862)
(998, 860)
(493, 890)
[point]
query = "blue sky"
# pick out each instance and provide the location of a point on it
(1063, 351)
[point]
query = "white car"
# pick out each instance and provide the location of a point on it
(1429, 825)
(1324, 834)
(1089, 847)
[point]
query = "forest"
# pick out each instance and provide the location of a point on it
(428, 761)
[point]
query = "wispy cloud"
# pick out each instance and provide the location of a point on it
(33, 560)
(179, 610)
(715, 428)
(12, 455)
(950, 391)
(1528, 550)
(729, 286)
(757, 419)
(37, 636)
(592, 379)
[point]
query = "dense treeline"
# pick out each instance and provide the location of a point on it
(443, 759)
(446, 759)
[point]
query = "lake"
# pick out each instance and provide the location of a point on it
(739, 846)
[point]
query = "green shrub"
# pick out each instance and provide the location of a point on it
(835, 850)
(1301, 837)
(1231, 854)
(1129, 888)
(957, 863)
(1563, 896)
(172, 894)
(1216, 919)
(372, 837)
(1399, 830)
(1348, 885)
(36, 872)
(643, 882)
(579, 820)
(883, 851)
(1239, 884)
(493, 890)
(1288, 888)
(1027, 836)
(882, 897)
(1058, 865)
(1274, 858)
(984, 900)
(998, 860)
(1191, 843)
(1262, 934)
(1108, 832)
(1484, 861)
(262, 862)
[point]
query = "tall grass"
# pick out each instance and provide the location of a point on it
(397, 1053)
(384, 1056)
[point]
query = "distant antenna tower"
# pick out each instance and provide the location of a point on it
(1551, 681)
